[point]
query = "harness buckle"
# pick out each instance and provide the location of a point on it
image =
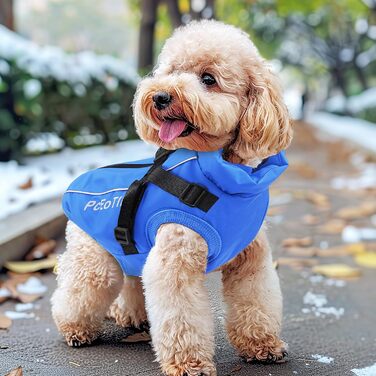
(123, 235)
(193, 194)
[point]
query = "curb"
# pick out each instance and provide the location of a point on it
(18, 232)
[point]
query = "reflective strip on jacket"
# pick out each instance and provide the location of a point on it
(94, 199)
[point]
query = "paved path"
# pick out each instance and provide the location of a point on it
(350, 340)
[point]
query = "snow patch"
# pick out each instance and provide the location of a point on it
(355, 130)
(51, 174)
(367, 371)
(323, 358)
(317, 303)
(32, 286)
(352, 234)
(18, 315)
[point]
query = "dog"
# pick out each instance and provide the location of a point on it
(210, 90)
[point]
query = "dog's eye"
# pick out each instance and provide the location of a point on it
(207, 79)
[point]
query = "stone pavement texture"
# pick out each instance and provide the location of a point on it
(350, 339)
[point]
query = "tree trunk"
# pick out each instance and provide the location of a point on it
(361, 77)
(146, 37)
(174, 12)
(6, 14)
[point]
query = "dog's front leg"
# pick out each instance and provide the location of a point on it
(88, 281)
(177, 302)
(254, 300)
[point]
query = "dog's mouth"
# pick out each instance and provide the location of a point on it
(172, 128)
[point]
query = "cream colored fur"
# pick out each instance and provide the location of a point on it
(244, 114)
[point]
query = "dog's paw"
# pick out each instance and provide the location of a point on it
(189, 368)
(126, 318)
(77, 336)
(269, 354)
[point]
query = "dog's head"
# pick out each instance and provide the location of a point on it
(211, 89)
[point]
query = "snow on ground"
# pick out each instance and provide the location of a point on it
(50, 175)
(353, 104)
(322, 358)
(317, 305)
(355, 130)
(367, 371)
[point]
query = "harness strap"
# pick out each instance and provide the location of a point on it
(191, 194)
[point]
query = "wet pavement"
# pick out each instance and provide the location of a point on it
(337, 320)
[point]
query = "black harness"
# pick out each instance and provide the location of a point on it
(191, 194)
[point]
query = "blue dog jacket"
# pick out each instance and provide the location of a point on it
(224, 202)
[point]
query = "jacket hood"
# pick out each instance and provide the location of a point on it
(235, 178)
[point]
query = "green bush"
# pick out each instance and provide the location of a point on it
(84, 99)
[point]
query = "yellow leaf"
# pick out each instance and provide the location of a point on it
(367, 259)
(336, 271)
(31, 266)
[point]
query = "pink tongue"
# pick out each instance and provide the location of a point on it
(171, 129)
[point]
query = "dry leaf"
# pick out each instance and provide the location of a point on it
(137, 337)
(318, 199)
(333, 226)
(15, 372)
(302, 252)
(367, 259)
(337, 271)
(297, 242)
(5, 322)
(366, 209)
(31, 266)
(275, 265)
(27, 185)
(41, 250)
(297, 262)
(303, 169)
(236, 369)
(341, 250)
(310, 219)
(11, 285)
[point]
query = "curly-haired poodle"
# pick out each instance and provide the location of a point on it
(210, 91)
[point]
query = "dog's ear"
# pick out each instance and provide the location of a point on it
(265, 126)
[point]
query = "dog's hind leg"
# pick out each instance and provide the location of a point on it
(177, 302)
(254, 300)
(128, 309)
(88, 281)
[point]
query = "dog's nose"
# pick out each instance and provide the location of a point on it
(161, 99)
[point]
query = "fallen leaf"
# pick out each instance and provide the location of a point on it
(297, 262)
(41, 250)
(31, 266)
(137, 337)
(275, 265)
(336, 271)
(297, 242)
(11, 285)
(15, 372)
(366, 209)
(310, 219)
(236, 369)
(5, 322)
(4, 347)
(341, 250)
(333, 226)
(318, 199)
(27, 185)
(367, 259)
(302, 252)
(303, 169)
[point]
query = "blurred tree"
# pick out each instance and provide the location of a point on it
(179, 13)
(318, 36)
(6, 14)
